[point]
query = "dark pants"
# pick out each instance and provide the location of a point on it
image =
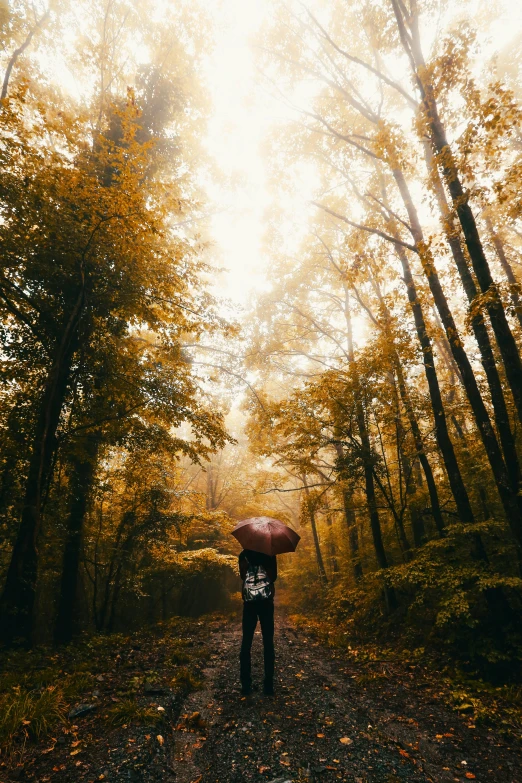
(252, 610)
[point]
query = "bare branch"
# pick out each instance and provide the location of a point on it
(368, 229)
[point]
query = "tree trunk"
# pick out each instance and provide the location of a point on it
(349, 515)
(419, 446)
(17, 602)
(507, 269)
(81, 480)
(422, 459)
(332, 556)
(114, 568)
(417, 523)
(439, 415)
(437, 133)
(480, 331)
(481, 416)
(313, 525)
(368, 462)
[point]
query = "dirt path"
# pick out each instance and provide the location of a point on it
(330, 720)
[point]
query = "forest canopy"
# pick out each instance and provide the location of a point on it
(365, 386)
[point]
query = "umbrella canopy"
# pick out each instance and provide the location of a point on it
(267, 535)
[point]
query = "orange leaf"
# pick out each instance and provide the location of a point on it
(470, 775)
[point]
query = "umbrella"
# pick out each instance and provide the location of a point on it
(267, 535)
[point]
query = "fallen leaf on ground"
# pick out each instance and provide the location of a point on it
(160, 739)
(346, 740)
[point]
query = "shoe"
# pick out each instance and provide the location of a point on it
(268, 688)
(246, 690)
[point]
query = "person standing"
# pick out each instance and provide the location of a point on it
(258, 572)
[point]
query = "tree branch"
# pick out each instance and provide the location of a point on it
(368, 229)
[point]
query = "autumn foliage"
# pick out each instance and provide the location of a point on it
(380, 367)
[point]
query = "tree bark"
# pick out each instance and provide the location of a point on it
(507, 269)
(311, 513)
(81, 480)
(508, 497)
(439, 415)
(422, 458)
(368, 463)
(480, 331)
(332, 556)
(417, 523)
(17, 602)
(349, 515)
(437, 133)
(421, 453)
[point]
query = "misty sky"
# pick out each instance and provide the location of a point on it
(244, 113)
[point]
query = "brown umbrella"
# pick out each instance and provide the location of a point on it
(267, 535)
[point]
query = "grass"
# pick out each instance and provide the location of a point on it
(468, 695)
(38, 687)
(30, 714)
(187, 680)
(129, 711)
(180, 654)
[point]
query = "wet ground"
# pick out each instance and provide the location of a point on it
(332, 718)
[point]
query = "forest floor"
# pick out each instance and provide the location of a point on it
(166, 706)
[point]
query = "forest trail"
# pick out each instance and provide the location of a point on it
(163, 705)
(331, 719)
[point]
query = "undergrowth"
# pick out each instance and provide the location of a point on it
(130, 711)
(39, 687)
(476, 699)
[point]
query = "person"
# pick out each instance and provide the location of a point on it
(258, 572)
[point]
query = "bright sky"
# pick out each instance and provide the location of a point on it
(243, 115)
(241, 119)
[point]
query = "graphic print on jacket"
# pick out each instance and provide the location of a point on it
(257, 585)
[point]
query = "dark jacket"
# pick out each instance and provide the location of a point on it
(268, 562)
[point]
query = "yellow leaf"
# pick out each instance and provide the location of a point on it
(346, 740)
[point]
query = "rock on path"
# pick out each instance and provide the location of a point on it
(331, 719)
